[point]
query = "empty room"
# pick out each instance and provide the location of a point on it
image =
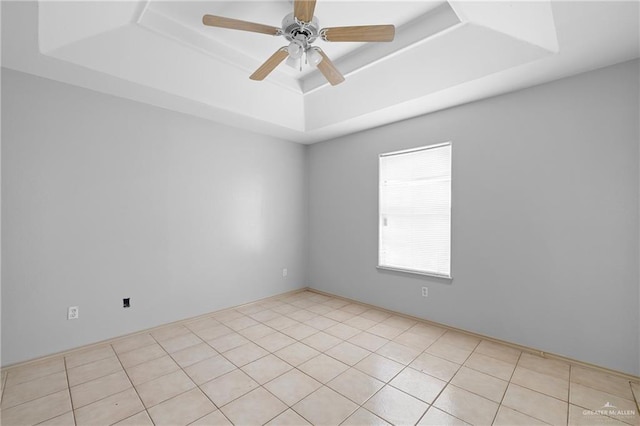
(301, 212)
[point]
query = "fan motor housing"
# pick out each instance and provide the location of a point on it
(292, 29)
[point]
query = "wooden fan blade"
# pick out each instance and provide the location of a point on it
(360, 33)
(269, 65)
(303, 9)
(236, 24)
(330, 72)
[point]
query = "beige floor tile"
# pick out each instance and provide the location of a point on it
(342, 331)
(356, 385)
(399, 322)
(320, 322)
(299, 331)
(339, 315)
(302, 315)
(579, 416)
(535, 404)
(34, 371)
(320, 309)
(90, 355)
(323, 368)
(266, 368)
(241, 323)
(550, 367)
(182, 409)
(151, 370)
(297, 353)
(38, 410)
(255, 408)
(635, 389)
(368, 341)
(292, 386)
(93, 370)
(335, 303)
(202, 323)
(466, 406)
(34, 389)
(508, 417)
(360, 323)
(419, 385)
(245, 354)
(65, 419)
(274, 342)
(492, 366)
(140, 355)
(228, 387)
(435, 366)
(427, 330)
(348, 353)
(435, 417)
(625, 410)
(321, 341)
(385, 330)
(375, 315)
(414, 340)
(379, 367)
(601, 381)
(396, 407)
(110, 410)
(130, 343)
(496, 350)
(102, 387)
(314, 407)
(227, 315)
(181, 342)
(169, 332)
(193, 354)
(364, 417)
(228, 342)
(140, 419)
(462, 340)
(354, 308)
(480, 383)
(209, 369)
(256, 331)
(543, 383)
(281, 323)
(449, 352)
(214, 419)
(212, 333)
(399, 353)
(288, 418)
(285, 309)
(252, 308)
(265, 315)
(163, 388)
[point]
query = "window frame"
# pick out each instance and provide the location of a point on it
(416, 271)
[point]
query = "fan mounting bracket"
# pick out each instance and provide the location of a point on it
(305, 32)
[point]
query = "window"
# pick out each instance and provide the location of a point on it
(415, 210)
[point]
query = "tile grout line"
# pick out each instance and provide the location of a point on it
(66, 374)
(132, 386)
(505, 390)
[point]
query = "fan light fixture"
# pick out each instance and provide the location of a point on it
(301, 29)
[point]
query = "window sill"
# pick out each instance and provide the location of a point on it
(413, 271)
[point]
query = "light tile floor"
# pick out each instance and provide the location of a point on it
(310, 359)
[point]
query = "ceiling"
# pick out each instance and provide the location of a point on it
(445, 53)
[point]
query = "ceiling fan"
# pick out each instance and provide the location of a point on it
(301, 29)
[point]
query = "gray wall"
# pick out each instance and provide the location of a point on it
(545, 218)
(103, 198)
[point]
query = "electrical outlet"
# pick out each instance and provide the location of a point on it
(425, 292)
(126, 303)
(284, 272)
(73, 312)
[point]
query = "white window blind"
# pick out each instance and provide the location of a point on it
(415, 210)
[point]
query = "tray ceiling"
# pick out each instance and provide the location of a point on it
(445, 53)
